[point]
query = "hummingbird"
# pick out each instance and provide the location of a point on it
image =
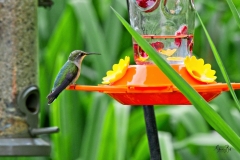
(68, 74)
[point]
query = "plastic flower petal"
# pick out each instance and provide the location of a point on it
(198, 70)
(175, 58)
(117, 72)
(142, 59)
(168, 52)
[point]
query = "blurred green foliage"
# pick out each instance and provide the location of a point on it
(94, 126)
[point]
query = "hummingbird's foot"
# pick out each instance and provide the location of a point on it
(74, 85)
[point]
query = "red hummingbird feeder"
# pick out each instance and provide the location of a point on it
(148, 85)
(145, 83)
(168, 26)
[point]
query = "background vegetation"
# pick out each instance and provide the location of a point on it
(94, 126)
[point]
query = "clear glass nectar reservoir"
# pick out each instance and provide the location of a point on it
(168, 26)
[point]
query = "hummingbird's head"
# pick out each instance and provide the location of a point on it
(78, 55)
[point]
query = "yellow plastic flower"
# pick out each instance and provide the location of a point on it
(117, 72)
(199, 70)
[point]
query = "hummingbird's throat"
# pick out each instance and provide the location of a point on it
(78, 62)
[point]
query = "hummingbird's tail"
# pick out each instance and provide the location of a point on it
(51, 97)
(57, 90)
(54, 93)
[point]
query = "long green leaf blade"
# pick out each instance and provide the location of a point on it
(165, 139)
(91, 28)
(234, 12)
(201, 105)
(220, 63)
(122, 118)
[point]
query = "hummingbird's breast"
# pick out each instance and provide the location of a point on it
(77, 76)
(78, 72)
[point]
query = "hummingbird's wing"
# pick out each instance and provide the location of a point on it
(65, 77)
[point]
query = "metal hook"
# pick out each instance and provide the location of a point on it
(39, 131)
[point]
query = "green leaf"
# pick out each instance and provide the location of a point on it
(55, 119)
(141, 148)
(201, 105)
(207, 142)
(167, 151)
(94, 125)
(56, 46)
(234, 11)
(93, 33)
(220, 63)
(122, 118)
(108, 145)
(201, 139)
(224, 108)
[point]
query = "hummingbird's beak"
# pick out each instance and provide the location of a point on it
(91, 53)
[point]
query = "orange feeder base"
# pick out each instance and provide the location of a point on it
(148, 85)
